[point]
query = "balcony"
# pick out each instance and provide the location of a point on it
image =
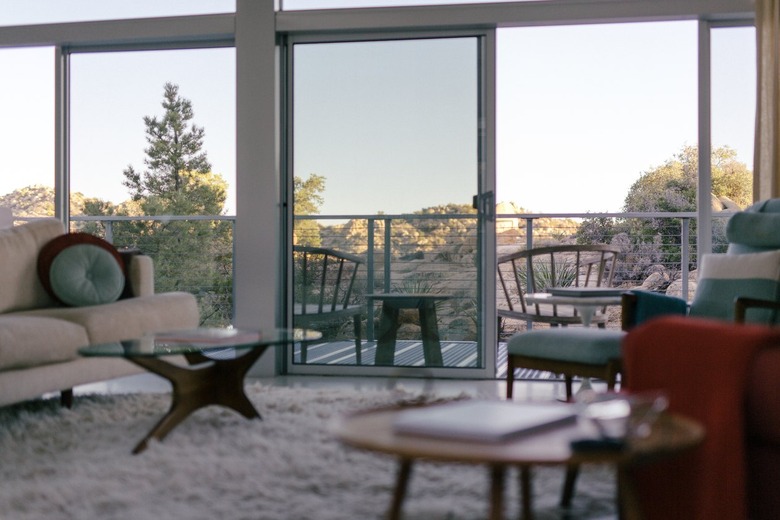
(411, 253)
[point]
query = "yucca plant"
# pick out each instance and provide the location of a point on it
(565, 274)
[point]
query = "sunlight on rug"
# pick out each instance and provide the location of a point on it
(76, 464)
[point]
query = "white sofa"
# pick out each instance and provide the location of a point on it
(40, 338)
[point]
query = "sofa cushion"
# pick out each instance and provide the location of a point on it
(130, 318)
(81, 269)
(19, 247)
(86, 275)
(27, 341)
(723, 278)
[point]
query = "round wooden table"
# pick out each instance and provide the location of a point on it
(373, 431)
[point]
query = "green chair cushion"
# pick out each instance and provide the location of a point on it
(86, 274)
(590, 346)
(723, 278)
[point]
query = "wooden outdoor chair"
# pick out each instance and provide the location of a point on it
(553, 266)
(324, 281)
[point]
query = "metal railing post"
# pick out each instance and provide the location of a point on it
(110, 231)
(529, 277)
(388, 254)
(370, 222)
(685, 255)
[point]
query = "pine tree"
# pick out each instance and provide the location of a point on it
(174, 156)
(190, 255)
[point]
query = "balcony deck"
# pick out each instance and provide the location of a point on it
(456, 354)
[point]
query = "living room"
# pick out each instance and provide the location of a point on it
(273, 54)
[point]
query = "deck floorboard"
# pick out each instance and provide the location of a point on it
(409, 353)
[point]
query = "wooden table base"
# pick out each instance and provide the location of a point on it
(206, 382)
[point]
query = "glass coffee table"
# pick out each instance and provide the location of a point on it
(218, 361)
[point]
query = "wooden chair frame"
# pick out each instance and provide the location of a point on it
(593, 265)
(327, 278)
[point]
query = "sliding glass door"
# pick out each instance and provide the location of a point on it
(386, 154)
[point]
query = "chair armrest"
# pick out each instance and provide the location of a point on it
(743, 303)
(140, 275)
(640, 306)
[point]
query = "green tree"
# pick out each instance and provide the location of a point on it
(175, 147)
(38, 201)
(193, 255)
(671, 187)
(308, 199)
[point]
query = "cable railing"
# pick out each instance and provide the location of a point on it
(436, 253)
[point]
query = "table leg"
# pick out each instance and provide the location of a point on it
(430, 334)
(388, 328)
(526, 494)
(586, 313)
(401, 484)
(497, 474)
(627, 500)
(219, 382)
(568, 485)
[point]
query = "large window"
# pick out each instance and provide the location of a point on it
(584, 111)
(386, 162)
(23, 12)
(27, 131)
(111, 96)
(152, 163)
(734, 91)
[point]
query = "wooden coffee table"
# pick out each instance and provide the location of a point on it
(373, 431)
(218, 359)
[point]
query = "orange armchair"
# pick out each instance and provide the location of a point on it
(724, 376)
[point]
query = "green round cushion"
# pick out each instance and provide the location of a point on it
(86, 274)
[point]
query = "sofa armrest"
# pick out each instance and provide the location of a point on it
(140, 275)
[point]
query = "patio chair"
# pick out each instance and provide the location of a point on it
(557, 266)
(324, 282)
(722, 279)
(553, 266)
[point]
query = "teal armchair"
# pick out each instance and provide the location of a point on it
(728, 282)
(742, 285)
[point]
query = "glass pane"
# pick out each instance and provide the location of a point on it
(385, 151)
(153, 163)
(25, 12)
(733, 69)
(584, 111)
(591, 120)
(27, 132)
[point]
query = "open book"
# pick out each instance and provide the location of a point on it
(481, 420)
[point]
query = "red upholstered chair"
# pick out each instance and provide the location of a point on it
(725, 376)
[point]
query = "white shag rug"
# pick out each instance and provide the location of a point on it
(57, 463)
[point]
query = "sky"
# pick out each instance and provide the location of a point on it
(582, 112)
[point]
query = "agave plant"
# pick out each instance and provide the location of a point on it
(565, 274)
